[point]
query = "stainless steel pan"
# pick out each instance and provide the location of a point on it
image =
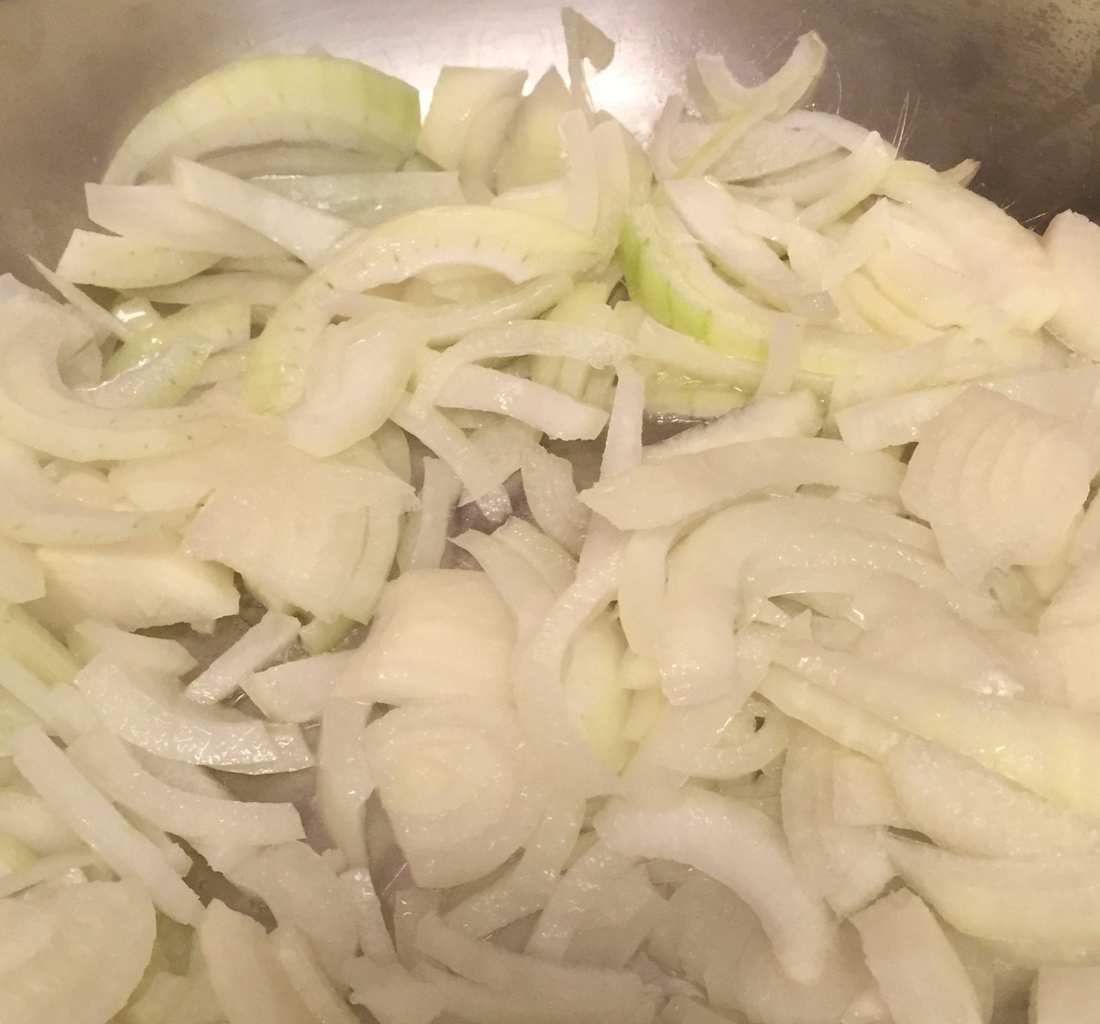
(1015, 83)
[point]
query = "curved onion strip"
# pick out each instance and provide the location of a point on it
(593, 346)
(664, 493)
(282, 98)
(716, 741)
(374, 933)
(919, 973)
(548, 410)
(355, 381)
(344, 780)
(156, 719)
(552, 561)
(38, 410)
(99, 939)
(425, 539)
(150, 653)
(391, 994)
(262, 643)
(28, 819)
(108, 761)
(553, 732)
(966, 808)
(301, 889)
(527, 887)
(582, 885)
(90, 815)
(297, 691)
(743, 849)
(520, 246)
(1050, 750)
(552, 497)
(122, 263)
(309, 234)
(319, 996)
(519, 584)
(1047, 908)
(552, 991)
(244, 971)
(848, 867)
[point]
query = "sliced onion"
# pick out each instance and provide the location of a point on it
(260, 644)
(526, 888)
(313, 988)
(963, 807)
(245, 972)
(1042, 747)
(548, 410)
(551, 560)
(863, 795)
(551, 495)
(151, 716)
(392, 995)
(518, 583)
(427, 620)
(457, 783)
(508, 981)
(919, 974)
(88, 813)
(309, 234)
(666, 492)
(27, 819)
(109, 763)
(95, 942)
(122, 263)
(156, 215)
(302, 891)
(743, 849)
(355, 381)
(284, 98)
(847, 866)
(1044, 909)
(296, 691)
(374, 934)
(344, 779)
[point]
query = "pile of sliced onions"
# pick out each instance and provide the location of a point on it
(362, 647)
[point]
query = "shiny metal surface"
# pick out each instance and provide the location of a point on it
(1015, 83)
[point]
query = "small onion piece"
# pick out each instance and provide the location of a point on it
(262, 643)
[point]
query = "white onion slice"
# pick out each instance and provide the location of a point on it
(526, 888)
(326, 1004)
(963, 807)
(847, 866)
(457, 782)
(108, 762)
(919, 974)
(663, 493)
(142, 652)
(157, 719)
(374, 935)
(90, 815)
(98, 939)
(297, 691)
(309, 234)
(552, 497)
(261, 644)
(553, 413)
(344, 780)
(1046, 910)
(741, 848)
(245, 973)
(439, 634)
(392, 995)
